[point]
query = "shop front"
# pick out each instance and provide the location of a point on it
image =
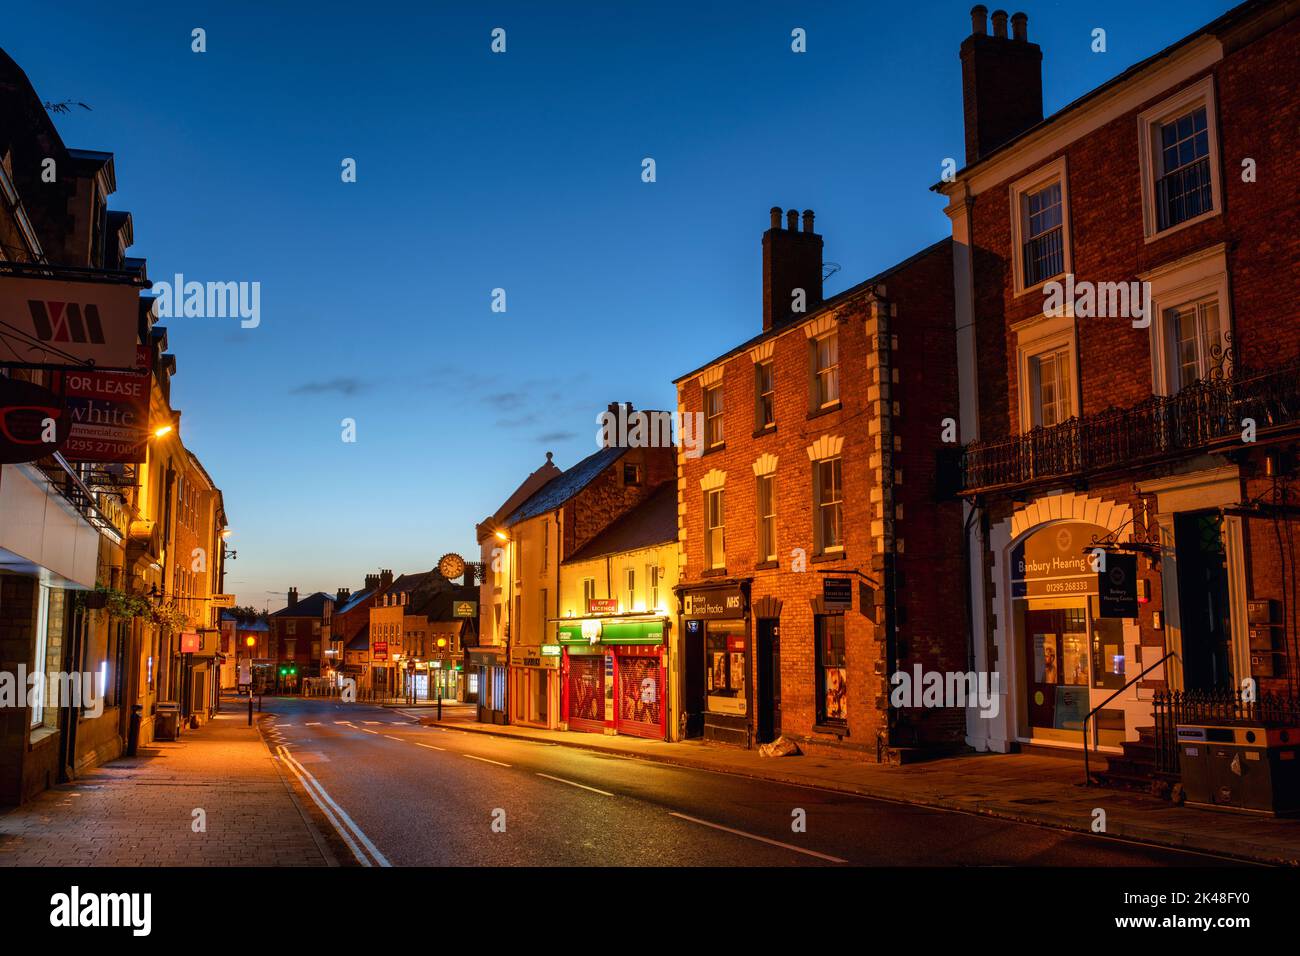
(489, 670)
(534, 691)
(614, 677)
(718, 695)
(1070, 648)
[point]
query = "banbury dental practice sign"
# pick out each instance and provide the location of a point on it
(55, 322)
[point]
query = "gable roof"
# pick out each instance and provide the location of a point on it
(354, 600)
(562, 488)
(652, 522)
(313, 605)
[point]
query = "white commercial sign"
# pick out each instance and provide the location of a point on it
(56, 322)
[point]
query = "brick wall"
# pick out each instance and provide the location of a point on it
(923, 351)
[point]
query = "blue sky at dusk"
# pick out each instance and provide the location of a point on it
(477, 171)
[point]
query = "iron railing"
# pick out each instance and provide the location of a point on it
(1087, 775)
(1218, 707)
(1196, 419)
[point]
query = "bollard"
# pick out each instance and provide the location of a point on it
(250, 707)
(133, 730)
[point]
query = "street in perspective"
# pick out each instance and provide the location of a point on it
(439, 461)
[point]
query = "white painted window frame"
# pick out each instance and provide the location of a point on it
(1041, 178)
(1038, 337)
(1203, 274)
(1187, 99)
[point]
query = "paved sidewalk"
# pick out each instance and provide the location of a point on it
(139, 811)
(1028, 788)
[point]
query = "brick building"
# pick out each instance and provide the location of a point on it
(1164, 436)
(299, 632)
(816, 480)
(523, 551)
(350, 628)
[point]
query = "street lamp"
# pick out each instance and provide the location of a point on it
(501, 535)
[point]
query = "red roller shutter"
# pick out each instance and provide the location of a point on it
(586, 709)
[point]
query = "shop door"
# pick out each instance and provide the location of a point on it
(1203, 601)
(587, 692)
(693, 679)
(1056, 655)
(640, 704)
(769, 680)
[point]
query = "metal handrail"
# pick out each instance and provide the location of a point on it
(1087, 777)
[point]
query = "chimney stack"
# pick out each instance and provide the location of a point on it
(372, 581)
(385, 577)
(1002, 82)
(791, 260)
(610, 436)
(292, 600)
(341, 596)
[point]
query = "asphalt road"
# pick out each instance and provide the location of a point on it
(409, 795)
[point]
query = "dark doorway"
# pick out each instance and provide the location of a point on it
(769, 679)
(693, 679)
(1203, 611)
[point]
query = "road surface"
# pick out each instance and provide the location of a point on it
(403, 794)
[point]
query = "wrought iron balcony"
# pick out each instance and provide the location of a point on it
(1206, 416)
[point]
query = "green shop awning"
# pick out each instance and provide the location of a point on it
(616, 632)
(633, 632)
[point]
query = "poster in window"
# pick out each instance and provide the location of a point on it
(718, 672)
(1044, 658)
(1074, 659)
(837, 692)
(738, 673)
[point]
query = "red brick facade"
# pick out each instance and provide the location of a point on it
(884, 431)
(1243, 72)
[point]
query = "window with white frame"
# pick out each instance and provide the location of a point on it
(1191, 337)
(715, 552)
(652, 585)
(1040, 226)
(765, 387)
(766, 517)
(828, 501)
(713, 416)
(1050, 382)
(588, 593)
(1047, 359)
(629, 581)
(826, 370)
(1195, 334)
(1179, 156)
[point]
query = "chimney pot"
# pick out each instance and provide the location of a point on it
(791, 260)
(1019, 27)
(979, 19)
(776, 217)
(1000, 23)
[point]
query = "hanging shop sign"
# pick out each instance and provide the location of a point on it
(1117, 586)
(837, 594)
(532, 657)
(464, 609)
(109, 413)
(1055, 561)
(718, 602)
(56, 322)
(223, 600)
(551, 650)
(34, 422)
